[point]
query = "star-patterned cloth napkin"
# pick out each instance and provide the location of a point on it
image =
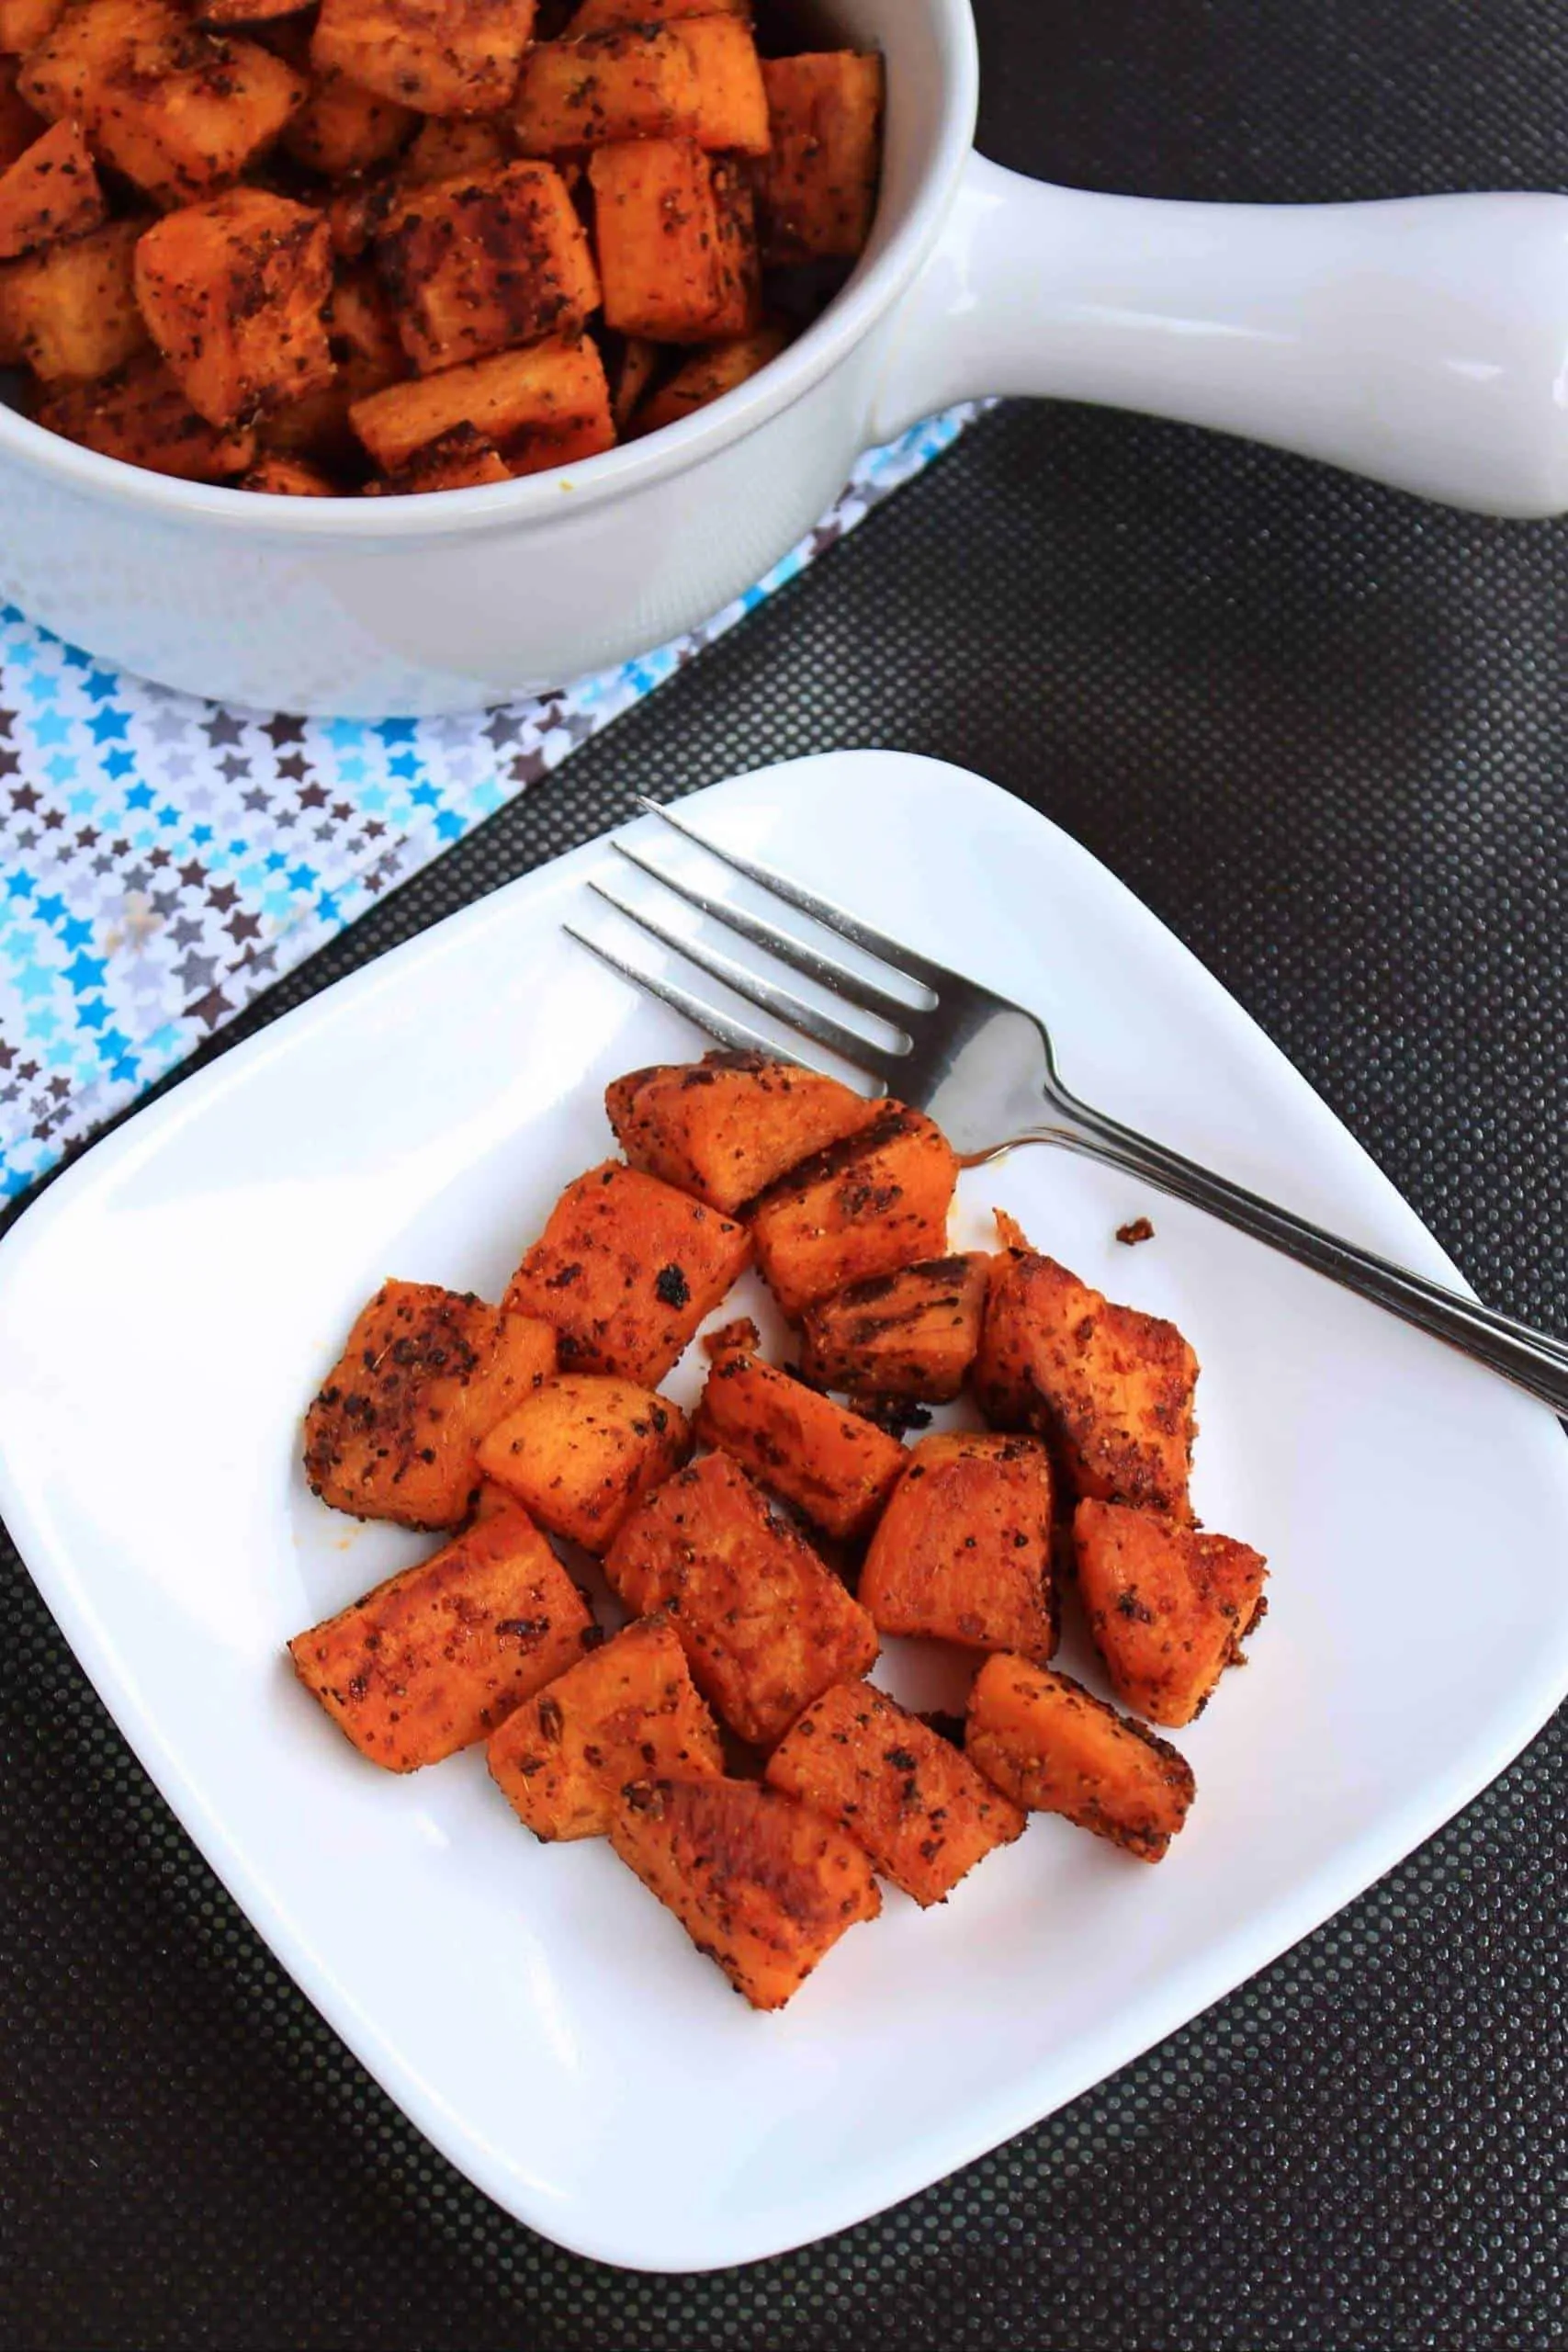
(165, 859)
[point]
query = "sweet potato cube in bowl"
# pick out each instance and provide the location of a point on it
(915, 1803)
(729, 1126)
(49, 192)
(908, 1337)
(836, 1467)
(485, 262)
(963, 1552)
(437, 1658)
(817, 187)
(763, 1885)
(869, 1206)
(1054, 1747)
(538, 406)
(583, 1450)
(766, 1625)
(676, 241)
(632, 82)
(426, 1373)
(71, 310)
(1168, 1606)
(626, 1270)
(233, 292)
(627, 1715)
(1111, 1388)
(439, 57)
(142, 417)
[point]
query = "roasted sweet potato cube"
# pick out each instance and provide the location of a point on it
(186, 112)
(438, 1657)
(1054, 1747)
(869, 1206)
(279, 477)
(20, 128)
(763, 1885)
(818, 189)
(839, 1469)
(25, 23)
(633, 82)
(675, 259)
(583, 1450)
(917, 1805)
(708, 375)
(1111, 1388)
(141, 417)
(50, 193)
(963, 1552)
(486, 262)
(438, 56)
(626, 1270)
(342, 128)
(766, 1625)
(1168, 1606)
(517, 400)
(599, 16)
(910, 1336)
(449, 145)
(425, 1374)
(461, 459)
(732, 101)
(71, 310)
(627, 1714)
(727, 1126)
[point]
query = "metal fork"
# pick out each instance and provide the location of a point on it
(985, 1069)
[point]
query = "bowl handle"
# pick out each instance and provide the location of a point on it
(1423, 341)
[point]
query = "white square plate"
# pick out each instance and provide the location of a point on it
(168, 1306)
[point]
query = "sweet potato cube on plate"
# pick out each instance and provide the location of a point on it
(437, 1658)
(817, 190)
(548, 397)
(449, 145)
(626, 1270)
(909, 1336)
(763, 1885)
(187, 112)
(583, 1450)
(917, 1805)
(288, 478)
(627, 1715)
(484, 261)
(869, 1206)
(766, 1625)
(442, 57)
(1169, 1607)
(836, 1467)
(633, 82)
(1054, 1747)
(599, 16)
(461, 459)
(963, 1552)
(20, 128)
(708, 375)
(1111, 1388)
(342, 128)
(71, 310)
(426, 1373)
(727, 1126)
(677, 248)
(142, 417)
(25, 23)
(233, 293)
(732, 101)
(48, 193)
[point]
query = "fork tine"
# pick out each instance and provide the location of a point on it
(733, 1033)
(863, 994)
(891, 952)
(768, 997)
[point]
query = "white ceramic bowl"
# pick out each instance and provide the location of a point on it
(1424, 342)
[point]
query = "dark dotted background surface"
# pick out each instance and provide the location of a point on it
(1322, 730)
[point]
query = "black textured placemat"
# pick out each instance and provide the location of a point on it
(1321, 730)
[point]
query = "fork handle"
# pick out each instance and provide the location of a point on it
(1534, 1361)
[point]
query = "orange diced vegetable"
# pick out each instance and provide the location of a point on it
(626, 1270)
(71, 310)
(677, 259)
(438, 1657)
(629, 1713)
(484, 261)
(515, 400)
(910, 1335)
(1169, 1607)
(1054, 1747)
(838, 1468)
(634, 82)
(868, 1205)
(708, 375)
(583, 1450)
(917, 1805)
(233, 293)
(763, 1885)
(425, 1374)
(727, 1126)
(142, 417)
(1111, 1388)
(442, 57)
(50, 193)
(767, 1626)
(818, 189)
(963, 1552)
